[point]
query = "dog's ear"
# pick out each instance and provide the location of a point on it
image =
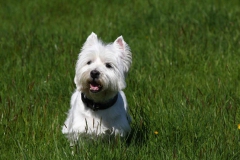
(92, 38)
(125, 53)
(120, 42)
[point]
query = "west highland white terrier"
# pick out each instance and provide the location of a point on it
(99, 106)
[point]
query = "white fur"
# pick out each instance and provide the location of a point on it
(111, 121)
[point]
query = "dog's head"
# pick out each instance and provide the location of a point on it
(101, 69)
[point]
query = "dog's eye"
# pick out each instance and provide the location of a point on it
(108, 65)
(89, 62)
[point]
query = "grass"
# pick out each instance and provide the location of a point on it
(183, 87)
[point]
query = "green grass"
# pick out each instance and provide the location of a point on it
(184, 82)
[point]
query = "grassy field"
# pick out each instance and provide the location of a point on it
(183, 88)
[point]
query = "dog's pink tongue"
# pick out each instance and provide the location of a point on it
(94, 87)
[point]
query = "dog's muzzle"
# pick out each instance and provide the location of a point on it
(94, 74)
(95, 85)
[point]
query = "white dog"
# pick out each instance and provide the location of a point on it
(99, 106)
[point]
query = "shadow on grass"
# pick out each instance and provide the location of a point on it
(140, 130)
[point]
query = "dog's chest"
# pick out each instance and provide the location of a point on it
(98, 122)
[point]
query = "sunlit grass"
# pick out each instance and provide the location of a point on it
(183, 87)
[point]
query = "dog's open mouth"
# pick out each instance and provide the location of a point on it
(95, 87)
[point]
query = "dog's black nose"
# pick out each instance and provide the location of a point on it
(94, 74)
